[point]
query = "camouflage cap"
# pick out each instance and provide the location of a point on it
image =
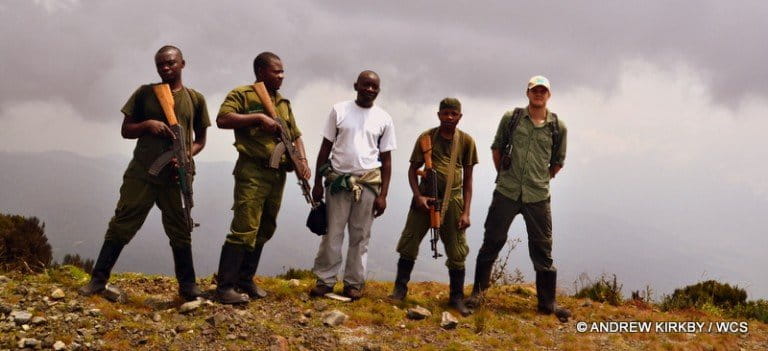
(452, 103)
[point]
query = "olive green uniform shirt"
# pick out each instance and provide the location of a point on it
(528, 176)
(252, 141)
(191, 112)
(441, 156)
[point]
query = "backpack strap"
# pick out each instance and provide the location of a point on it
(556, 140)
(513, 123)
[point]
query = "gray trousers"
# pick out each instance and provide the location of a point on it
(538, 223)
(357, 216)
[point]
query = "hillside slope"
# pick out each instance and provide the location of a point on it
(288, 319)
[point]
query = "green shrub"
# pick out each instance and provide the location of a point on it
(710, 292)
(603, 290)
(75, 260)
(297, 273)
(23, 244)
(752, 309)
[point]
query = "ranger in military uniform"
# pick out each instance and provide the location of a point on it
(144, 120)
(528, 151)
(258, 187)
(455, 212)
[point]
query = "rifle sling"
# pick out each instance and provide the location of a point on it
(449, 176)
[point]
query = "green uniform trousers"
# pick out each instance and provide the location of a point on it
(454, 240)
(258, 194)
(136, 199)
(538, 223)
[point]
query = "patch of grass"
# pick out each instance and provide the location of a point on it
(602, 290)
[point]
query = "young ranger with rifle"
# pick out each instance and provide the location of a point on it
(163, 118)
(441, 203)
(528, 151)
(269, 144)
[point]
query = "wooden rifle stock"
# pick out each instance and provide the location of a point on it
(425, 142)
(181, 151)
(164, 95)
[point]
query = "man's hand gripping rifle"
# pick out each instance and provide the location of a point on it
(180, 151)
(285, 144)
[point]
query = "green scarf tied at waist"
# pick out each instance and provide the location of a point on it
(349, 182)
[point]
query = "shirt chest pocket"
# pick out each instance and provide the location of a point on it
(543, 139)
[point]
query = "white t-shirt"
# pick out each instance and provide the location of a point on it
(358, 135)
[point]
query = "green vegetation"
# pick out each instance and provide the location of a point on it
(721, 295)
(23, 244)
(717, 298)
(602, 290)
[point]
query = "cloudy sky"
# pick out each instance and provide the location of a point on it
(665, 102)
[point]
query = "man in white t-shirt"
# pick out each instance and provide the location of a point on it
(353, 170)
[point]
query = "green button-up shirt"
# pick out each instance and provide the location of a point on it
(252, 141)
(528, 176)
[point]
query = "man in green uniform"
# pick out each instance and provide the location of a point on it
(528, 151)
(258, 187)
(455, 211)
(144, 120)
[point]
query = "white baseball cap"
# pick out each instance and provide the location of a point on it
(538, 81)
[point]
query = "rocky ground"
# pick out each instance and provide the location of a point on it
(44, 312)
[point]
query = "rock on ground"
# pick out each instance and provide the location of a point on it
(334, 318)
(448, 321)
(418, 313)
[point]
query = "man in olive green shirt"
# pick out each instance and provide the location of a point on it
(455, 212)
(258, 187)
(144, 120)
(525, 161)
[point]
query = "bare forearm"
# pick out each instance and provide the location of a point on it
(134, 130)
(322, 158)
(386, 172)
(413, 179)
(236, 120)
(467, 191)
(496, 153)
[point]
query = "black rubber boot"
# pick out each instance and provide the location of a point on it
(457, 291)
(108, 255)
(247, 271)
(185, 272)
(229, 268)
(404, 269)
(482, 283)
(546, 283)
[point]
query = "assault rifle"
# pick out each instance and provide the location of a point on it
(285, 144)
(429, 180)
(180, 151)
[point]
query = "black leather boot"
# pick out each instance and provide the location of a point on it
(185, 272)
(247, 271)
(108, 255)
(457, 291)
(482, 283)
(229, 269)
(546, 283)
(404, 269)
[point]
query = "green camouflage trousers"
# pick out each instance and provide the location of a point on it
(258, 194)
(454, 240)
(136, 199)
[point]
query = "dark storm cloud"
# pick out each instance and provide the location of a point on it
(92, 54)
